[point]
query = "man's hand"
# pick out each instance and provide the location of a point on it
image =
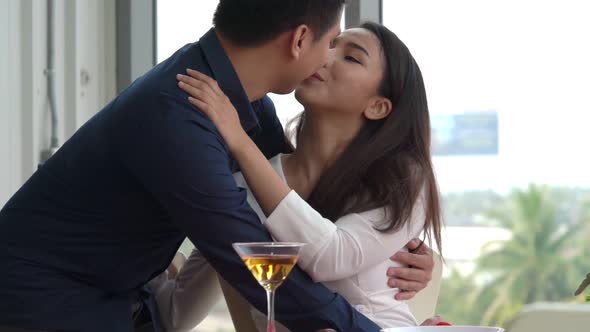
(414, 278)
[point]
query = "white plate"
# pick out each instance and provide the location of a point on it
(444, 329)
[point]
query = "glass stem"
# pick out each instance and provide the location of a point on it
(270, 301)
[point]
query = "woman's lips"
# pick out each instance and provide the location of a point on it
(317, 77)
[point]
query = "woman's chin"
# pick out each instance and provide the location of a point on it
(307, 95)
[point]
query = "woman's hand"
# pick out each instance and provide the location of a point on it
(206, 95)
(268, 187)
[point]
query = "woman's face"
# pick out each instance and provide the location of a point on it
(350, 78)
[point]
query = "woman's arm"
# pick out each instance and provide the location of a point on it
(184, 301)
(334, 250)
(342, 249)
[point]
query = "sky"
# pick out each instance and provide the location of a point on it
(527, 60)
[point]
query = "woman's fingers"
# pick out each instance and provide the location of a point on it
(211, 83)
(191, 81)
(203, 107)
(196, 94)
(192, 85)
(206, 95)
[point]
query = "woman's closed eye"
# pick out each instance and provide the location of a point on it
(350, 58)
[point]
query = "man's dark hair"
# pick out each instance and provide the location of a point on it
(254, 22)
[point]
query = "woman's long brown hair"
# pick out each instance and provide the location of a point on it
(388, 164)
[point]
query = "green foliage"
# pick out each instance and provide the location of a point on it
(459, 209)
(544, 260)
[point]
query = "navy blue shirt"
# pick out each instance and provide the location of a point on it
(108, 211)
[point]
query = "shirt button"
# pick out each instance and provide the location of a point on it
(361, 308)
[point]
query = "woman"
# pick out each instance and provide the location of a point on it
(359, 183)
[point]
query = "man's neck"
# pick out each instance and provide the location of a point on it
(252, 67)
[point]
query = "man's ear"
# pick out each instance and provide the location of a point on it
(378, 108)
(301, 37)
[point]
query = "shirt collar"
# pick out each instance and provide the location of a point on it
(223, 71)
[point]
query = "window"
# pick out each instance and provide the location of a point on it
(507, 85)
(180, 22)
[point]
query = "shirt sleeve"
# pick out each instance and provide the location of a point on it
(180, 158)
(183, 302)
(337, 250)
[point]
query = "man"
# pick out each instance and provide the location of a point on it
(108, 211)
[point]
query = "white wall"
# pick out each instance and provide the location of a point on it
(92, 24)
(85, 38)
(10, 157)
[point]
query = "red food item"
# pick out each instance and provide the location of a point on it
(443, 324)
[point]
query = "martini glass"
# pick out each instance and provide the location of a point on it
(270, 263)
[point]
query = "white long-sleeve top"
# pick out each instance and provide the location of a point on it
(183, 302)
(349, 256)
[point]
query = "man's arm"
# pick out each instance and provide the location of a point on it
(179, 157)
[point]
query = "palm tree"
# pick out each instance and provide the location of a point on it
(542, 261)
(452, 297)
